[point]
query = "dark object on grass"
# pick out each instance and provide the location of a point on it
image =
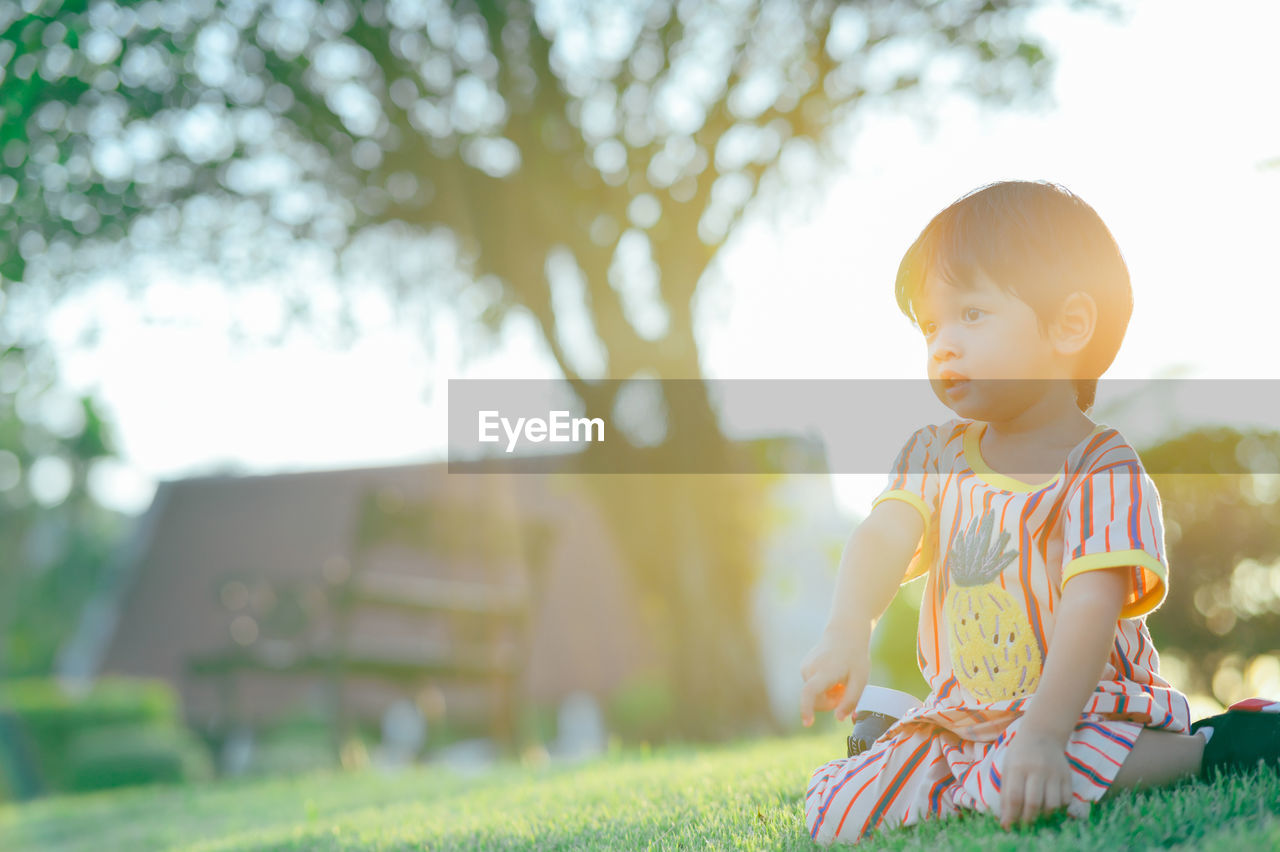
(867, 728)
(1241, 740)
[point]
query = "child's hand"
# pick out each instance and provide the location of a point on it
(834, 673)
(1036, 778)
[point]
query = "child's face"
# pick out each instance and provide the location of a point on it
(984, 333)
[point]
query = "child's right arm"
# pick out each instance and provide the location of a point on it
(871, 569)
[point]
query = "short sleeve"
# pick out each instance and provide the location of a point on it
(914, 479)
(1113, 519)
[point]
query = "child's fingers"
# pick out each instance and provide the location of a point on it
(1034, 799)
(1011, 795)
(1053, 796)
(806, 703)
(812, 698)
(1057, 793)
(848, 703)
(827, 700)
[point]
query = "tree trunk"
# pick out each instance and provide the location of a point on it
(691, 543)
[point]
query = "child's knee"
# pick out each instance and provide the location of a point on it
(817, 800)
(834, 804)
(818, 782)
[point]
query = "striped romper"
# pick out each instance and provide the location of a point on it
(1004, 549)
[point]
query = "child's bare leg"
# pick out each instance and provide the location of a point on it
(1159, 758)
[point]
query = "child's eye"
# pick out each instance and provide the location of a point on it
(968, 311)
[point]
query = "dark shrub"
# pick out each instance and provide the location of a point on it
(70, 731)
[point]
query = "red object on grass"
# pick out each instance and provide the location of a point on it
(1257, 705)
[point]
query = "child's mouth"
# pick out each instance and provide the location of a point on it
(955, 387)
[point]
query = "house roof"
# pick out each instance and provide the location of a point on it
(225, 560)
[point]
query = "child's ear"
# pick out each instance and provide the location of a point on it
(1076, 321)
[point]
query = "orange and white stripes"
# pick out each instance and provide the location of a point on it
(1101, 510)
(917, 772)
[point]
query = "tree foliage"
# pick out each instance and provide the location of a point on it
(54, 537)
(1220, 490)
(618, 143)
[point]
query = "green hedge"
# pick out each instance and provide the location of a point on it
(119, 731)
(121, 756)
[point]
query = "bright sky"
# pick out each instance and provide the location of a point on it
(1160, 122)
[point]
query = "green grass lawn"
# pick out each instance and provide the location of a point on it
(742, 796)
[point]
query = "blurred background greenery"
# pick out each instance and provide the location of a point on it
(582, 167)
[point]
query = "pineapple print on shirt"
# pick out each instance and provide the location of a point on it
(994, 654)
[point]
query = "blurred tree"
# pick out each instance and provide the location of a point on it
(54, 536)
(586, 162)
(1220, 490)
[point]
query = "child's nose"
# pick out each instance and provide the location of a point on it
(943, 347)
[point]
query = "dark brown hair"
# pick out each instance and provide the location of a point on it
(1039, 242)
